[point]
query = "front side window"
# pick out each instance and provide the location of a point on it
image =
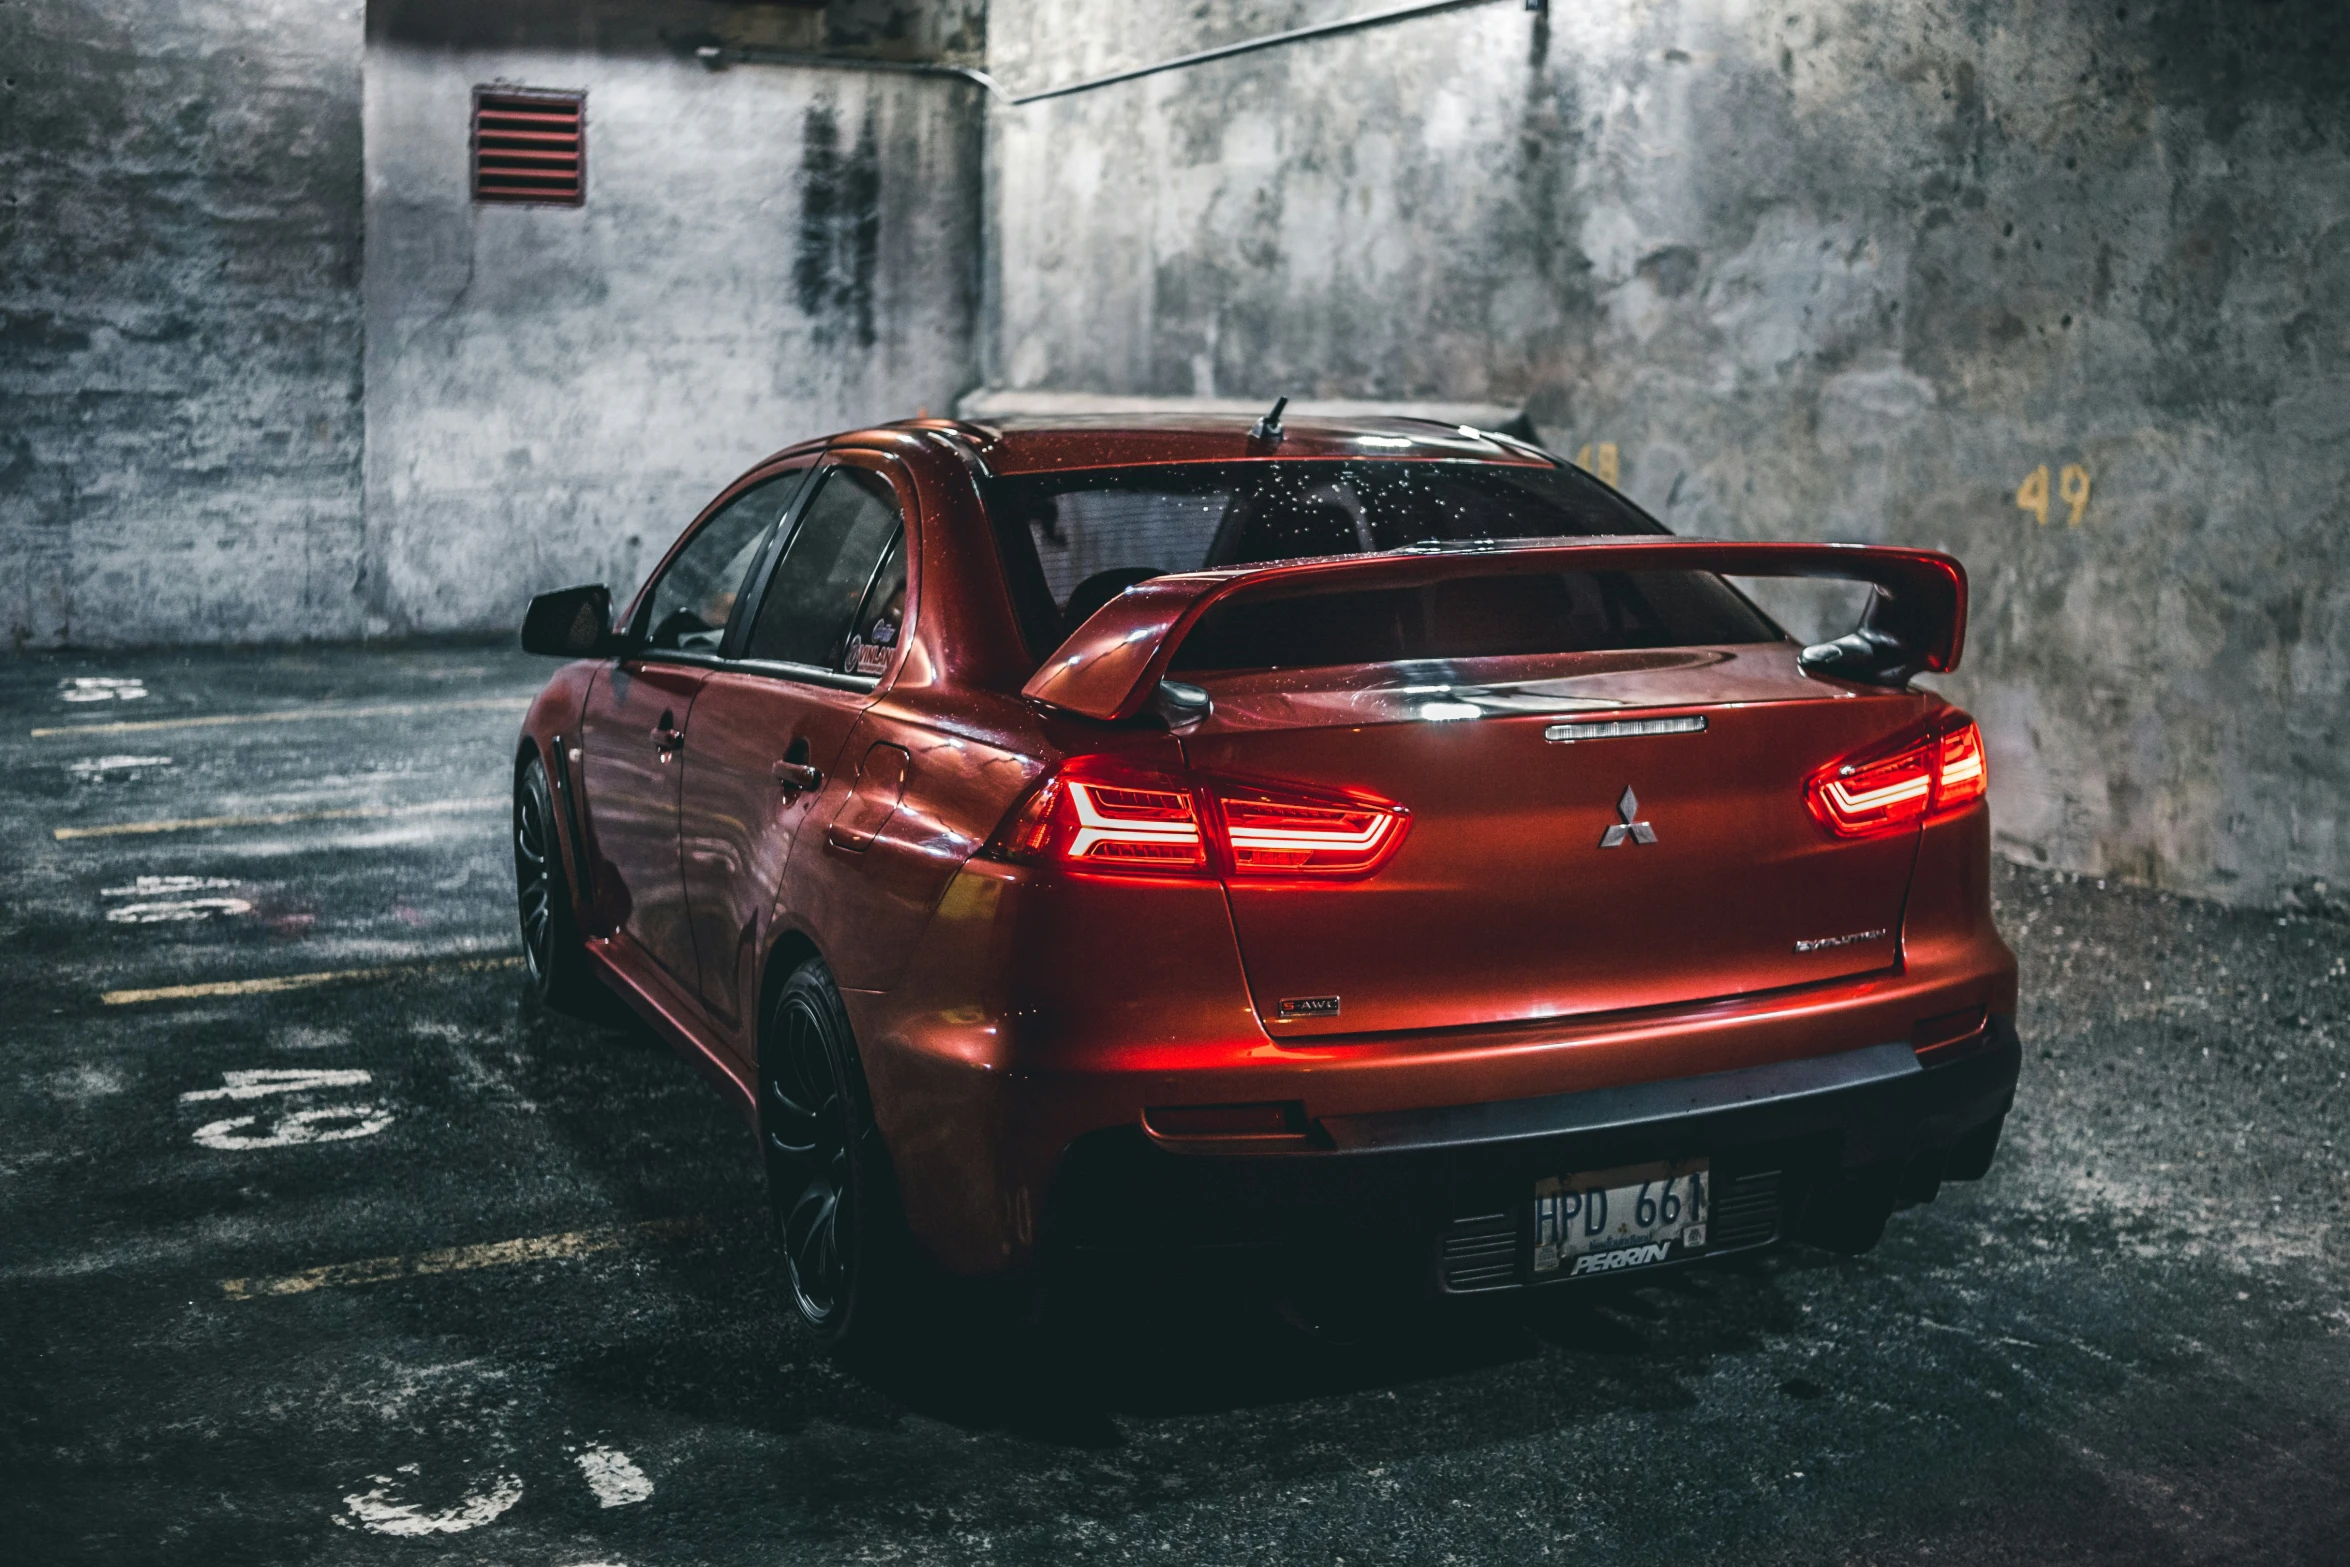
(694, 597)
(816, 609)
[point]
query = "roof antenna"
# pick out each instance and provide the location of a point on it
(1269, 427)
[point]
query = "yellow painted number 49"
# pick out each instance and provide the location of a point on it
(2072, 487)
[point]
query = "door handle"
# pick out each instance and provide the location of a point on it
(666, 735)
(795, 776)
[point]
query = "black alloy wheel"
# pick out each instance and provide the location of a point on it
(554, 960)
(827, 1177)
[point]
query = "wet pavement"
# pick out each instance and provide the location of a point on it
(316, 1245)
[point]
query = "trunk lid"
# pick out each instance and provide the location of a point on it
(1560, 861)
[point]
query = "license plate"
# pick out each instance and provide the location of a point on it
(1607, 1221)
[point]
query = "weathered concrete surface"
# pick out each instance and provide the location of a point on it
(765, 254)
(552, 393)
(186, 452)
(1847, 270)
(180, 419)
(2129, 1345)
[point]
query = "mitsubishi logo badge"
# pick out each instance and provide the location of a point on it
(1628, 807)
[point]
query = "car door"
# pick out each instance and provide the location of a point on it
(633, 730)
(769, 726)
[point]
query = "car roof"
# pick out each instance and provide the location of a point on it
(1042, 443)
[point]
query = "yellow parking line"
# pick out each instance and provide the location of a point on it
(459, 1259)
(277, 818)
(289, 715)
(278, 982)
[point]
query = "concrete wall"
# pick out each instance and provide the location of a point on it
(1853, 271)
(765, 254)
(186, 451)
(180, 417)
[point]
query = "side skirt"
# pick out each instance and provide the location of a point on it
(667, 1013)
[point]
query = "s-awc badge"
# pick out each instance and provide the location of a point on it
(1309, 1006)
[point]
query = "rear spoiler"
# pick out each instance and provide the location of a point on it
(1915, 620)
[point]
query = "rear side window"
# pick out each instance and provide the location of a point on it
(882, 619)
(845, 538)
(694, 597)
(1072, 540)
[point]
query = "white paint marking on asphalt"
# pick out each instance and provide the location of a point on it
(254, 1083)
(162, 906)
(92, 768)
(277, 818)
(100, 688)
(178, 909)
(381, 1512)
(612, 1475)
(164, 886)
(296, 1129)
(282, 982)
(510, 704)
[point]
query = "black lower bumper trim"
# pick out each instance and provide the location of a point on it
(1781, 1084)
(1455, 1185)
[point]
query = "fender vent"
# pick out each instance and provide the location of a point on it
(529, 147)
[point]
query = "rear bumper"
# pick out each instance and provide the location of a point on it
(1443, 1197)
(1015, 1071)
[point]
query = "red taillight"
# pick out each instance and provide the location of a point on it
(1270, 833)
(1964, 773)
(1889, 789)
(1096, 815)
(1110, 819)
(1854, 799)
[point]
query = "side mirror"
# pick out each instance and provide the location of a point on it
(570, 622)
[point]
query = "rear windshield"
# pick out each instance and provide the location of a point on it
(1071, 541)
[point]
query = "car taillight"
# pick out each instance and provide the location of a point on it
(1268, 833)
(1887, 790)
(1111, 820)
(1964, 774)
(1094, 815)
(1854, 799)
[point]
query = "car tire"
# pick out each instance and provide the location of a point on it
(829, 1182)
(555, 960)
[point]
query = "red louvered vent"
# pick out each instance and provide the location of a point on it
(529, 147)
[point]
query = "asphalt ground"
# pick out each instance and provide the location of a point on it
(388, 1268)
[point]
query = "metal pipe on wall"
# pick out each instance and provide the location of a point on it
(718, 57)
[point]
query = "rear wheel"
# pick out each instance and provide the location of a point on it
(828, 1177)
(553, 955)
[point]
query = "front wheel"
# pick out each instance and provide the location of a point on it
(828, 1177)
(554, 957)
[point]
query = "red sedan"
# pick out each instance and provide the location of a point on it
(1374, 849)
